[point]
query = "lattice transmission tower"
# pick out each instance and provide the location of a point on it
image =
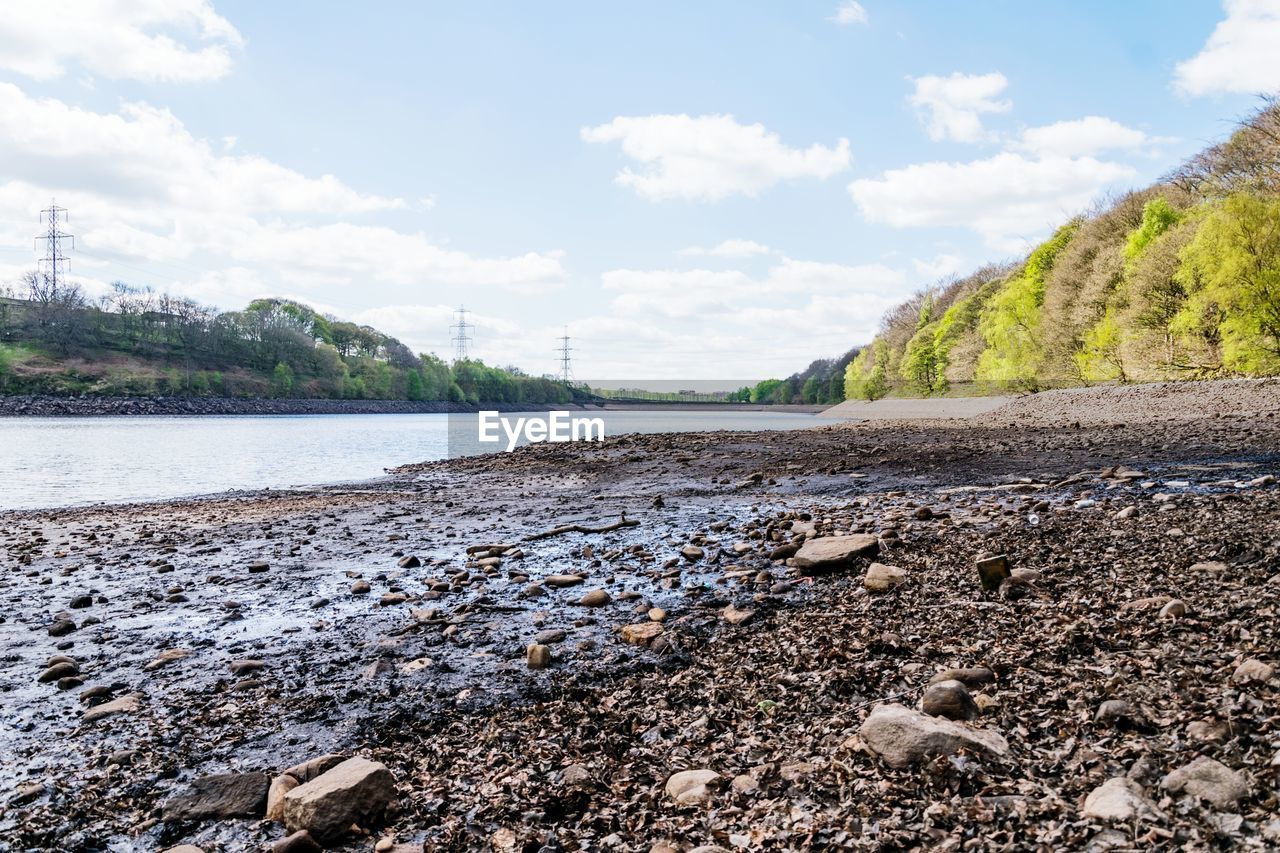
(55, 262)
(461, 334)
(566, 368)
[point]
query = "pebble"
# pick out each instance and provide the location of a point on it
(537, 656)
(124, 705)
(1175, 609)
(691, 787)
(882, 578)
(244, 667)
(62, 669)
(1119, 799)
(949, 699)
(692, 553)
(360, 588)
(1209, 780)
(61, 627)
(641, 633)
(299, 842)
(595, 598)
(1253, 671)
(280, 785)
(971, 677)
(561, 581)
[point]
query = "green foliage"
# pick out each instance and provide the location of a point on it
(877, 384)
(1231, 273)
(921, 365)
(1100, 355)
(1158, 216)
(1010, 322)
(282, 380)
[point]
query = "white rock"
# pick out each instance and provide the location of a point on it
(882, 578)
(1209, 780)
(902, 736)
(689, 787)
(1118, 799)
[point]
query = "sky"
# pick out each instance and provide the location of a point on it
(693, 190)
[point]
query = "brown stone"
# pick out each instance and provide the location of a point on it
(355, 792)
(829, 553)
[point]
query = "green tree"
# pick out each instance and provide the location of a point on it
(1231, 272)
(282, 380)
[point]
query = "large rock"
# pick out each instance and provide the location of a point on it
(1119, 799)
(225, 795)
(689, 787)
(1209, 780)
(834, 552)
(354, 792)
(902, 736)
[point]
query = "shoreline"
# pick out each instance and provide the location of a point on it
(48, 406)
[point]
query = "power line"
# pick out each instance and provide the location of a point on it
(566, 371)
(461, 334)
(54, 260)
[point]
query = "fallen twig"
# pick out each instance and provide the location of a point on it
(582, 528)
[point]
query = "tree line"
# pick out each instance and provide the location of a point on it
(1177, 280)
(54, 339)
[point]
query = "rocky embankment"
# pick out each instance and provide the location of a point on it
(1021, 634)
(44, 406)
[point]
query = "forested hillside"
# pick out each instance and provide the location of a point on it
(1179, 280)
(138, 343)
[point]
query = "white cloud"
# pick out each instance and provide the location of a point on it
(1007, 198)
(1240, 55)
(729, 249)
(710, 157)
(722, 324)
(939, 267)
(677, 294)
(850, 12)
(1084, 137)
(146, 154)
(144, 191)
(153, 40)
(951, 107)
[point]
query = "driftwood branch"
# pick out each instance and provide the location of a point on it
(582, 528)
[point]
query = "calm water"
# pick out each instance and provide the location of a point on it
(48, 462)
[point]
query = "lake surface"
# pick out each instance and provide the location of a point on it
(51, 462)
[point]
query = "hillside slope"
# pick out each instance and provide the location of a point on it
(1179, 280)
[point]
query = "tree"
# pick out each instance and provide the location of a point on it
(281, 380)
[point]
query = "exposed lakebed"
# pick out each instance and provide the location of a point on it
(436, 685)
